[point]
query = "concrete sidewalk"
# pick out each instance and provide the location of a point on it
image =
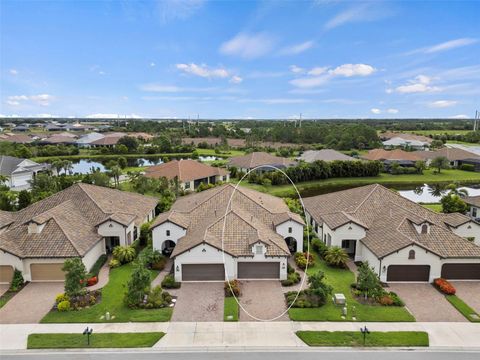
(245, 334)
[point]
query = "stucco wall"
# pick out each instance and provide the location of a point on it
(112, 228)
(159, 234)
(93, 254)
(9, 259)
(470, 229)
(297, 232)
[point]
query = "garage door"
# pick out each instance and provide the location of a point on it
(258, 270)
(6, 274)
(408, 273)
(461, 271)
(203, 272)
(47, 272)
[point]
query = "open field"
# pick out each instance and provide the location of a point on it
(437, 132)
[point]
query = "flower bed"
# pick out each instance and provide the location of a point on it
(304, 259)
(444, 286)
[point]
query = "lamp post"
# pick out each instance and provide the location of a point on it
(364, 331)
(88, 332)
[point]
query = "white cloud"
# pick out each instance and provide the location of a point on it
(13, 72)
(152, 64)
(236, 79)
(421, 84)
(296, 69)
(375, 111)
(178, 9)
(318, 70)
(443, 103)
(41, 99)
(275, 101)
(112, 116)
(448, 45)
(460, 116)
(349, 70)
(297, 48)
(248, 46)
(162, 88)
(392, 111)
(310, 82)
(203, 70)
(358, 13)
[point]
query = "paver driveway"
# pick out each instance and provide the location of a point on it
(469, 291)
(425, 302)
(4, 288)
(202, 301)
(263, 299)
(31, 304)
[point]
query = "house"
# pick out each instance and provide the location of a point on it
(455, 156)
(82, 221)
(261, 161)
(231, 231)
(474, 202)
(16, 138)
(401, 240)
(109, 140)
(20, 172)
(60, 138)
(190, 173)
(324, 155)
(87, 139)
(405, 136)
(398, 142)
(403, 158)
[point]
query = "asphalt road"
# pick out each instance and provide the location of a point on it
(310, 355)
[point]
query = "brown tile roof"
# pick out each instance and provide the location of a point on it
(70, 218)
(185, 170)
(251, 216)
(17, 138)
(324, 155)
(452, 154)
(255, 159)
(471, 200)
(109, 139)
(388, 219)
(397, 154)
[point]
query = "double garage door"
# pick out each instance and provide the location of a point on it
(461, 271)
(408, 273)
(47, 272)
(216, 272)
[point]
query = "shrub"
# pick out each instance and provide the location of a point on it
(63, 305)
(467, 167)
(169, 282)
(61, 297)
(157, 298)
(396, 299)
(75, 275)
(148, 257)
(137, 286)
(444, 286)
(114, 263)
(232, 287)
(92, 281)
(319, 247)
(98, 265)
(160, 263)
(385, 300)
(336, 256)
(136, 246)
(290, 269)
(292, 279)
(124, 254)
(17, 280)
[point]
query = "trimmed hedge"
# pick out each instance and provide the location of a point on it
(97, 266)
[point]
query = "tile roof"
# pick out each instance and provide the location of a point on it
(255, 159)
(388, 219)
(251, 216)
(397, 154)
(17, 138)
(185, 170)
(69, 220)
(473, 200)
(405, 136)
(324, 155)
(451, 154)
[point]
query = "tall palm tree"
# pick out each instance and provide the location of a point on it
(116, 172)
(455, 189)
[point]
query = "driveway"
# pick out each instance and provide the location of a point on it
(426, 303)
(469, 291)
(4, 288)
(202, 301)
(263, 299)
(31, 304)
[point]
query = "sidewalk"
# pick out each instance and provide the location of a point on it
(275, 335)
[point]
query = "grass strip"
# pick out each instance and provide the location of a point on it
(100, 340)
(230, 308)
(355, 338)
(463, 308)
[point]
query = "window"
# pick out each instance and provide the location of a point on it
(168, 232)
(329, 240)
(289, 230)
(345, 244)
(474, 212)
(411, 255)
(424, 229)
(259, 249)
(187, 185)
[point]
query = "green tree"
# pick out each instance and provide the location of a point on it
(116, 172)
(456, 190)
(367, 280)
(452, 203)
(439, 163)
(137, 286)
(24, 199)
(75, 276)
(124, 254)
(420, 166)
(318, 286)
(336, 256)
(130, 142)
(122, 162)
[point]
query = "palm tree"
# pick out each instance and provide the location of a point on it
(68, 166)
(336, 256)
(437, 190)
(57, 165)
(456, 190)
(116, 172)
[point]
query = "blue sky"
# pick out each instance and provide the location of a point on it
(243, 59)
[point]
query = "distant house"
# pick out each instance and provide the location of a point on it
(405, 136)
(21, 128)
(109, 140)
(16, 138)
(474, 202)
(324, 155)
(19, 172)
(455, 156)
(403, 158)
(261, 161)
(57, 139)
(190, 173)
(397, 142)
(87, 139)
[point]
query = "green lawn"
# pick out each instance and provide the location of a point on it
(309, 188)
(224, 154)
(230, 308)
(112, 301)
(437, 132)
(463, 308)
(6, 297)
(355, 338)
(100, 340)
(434, 207)
(340, 280)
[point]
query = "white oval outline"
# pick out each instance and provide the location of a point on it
(223, 248)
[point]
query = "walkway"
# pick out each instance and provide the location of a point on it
(166, 270)
(274, 335)
(103, 276)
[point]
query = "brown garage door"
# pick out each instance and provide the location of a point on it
(47, 272)
(408, 273)
(203, 272)
(6, 274)
(258, 270)
(461, 271)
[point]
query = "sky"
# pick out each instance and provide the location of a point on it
(240, 59)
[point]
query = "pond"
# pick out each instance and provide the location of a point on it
(84, 166)
(432, 193)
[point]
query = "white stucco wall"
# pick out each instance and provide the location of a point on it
(469, 229)
(21, 179)
(112, 228)
(93, 254)
(297, 232)
(9, 259)
(159, 234)
(365, 255)
(27, 262)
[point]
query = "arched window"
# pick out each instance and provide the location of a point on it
(411, 255)
(424, 229)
